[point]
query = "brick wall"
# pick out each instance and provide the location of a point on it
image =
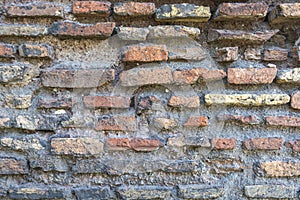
(149, 100)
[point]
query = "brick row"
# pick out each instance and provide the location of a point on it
(185, 12)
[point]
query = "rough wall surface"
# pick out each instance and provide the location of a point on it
(149, 100)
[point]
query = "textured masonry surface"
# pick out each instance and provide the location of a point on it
(149, 100)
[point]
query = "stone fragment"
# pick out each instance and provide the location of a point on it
(237, 36)
(183, 12)
(76, 146)
(12, 165)
(251, 75)
(165, 123)
(280, 169)
(270, 191)
(49, 164)
(36, 192)
(144, 192)
(227, 54)
(134, 9)
(21, 30)
(200, 191)
(252, 54)
(93, 8)
(146, 76)
(18, 101)
(145, 53)
(189, 141)
(23, 144)
(247, 99)
(289, 76)
(285, 12)
(241, 11)
(93, 192)
(132, 33)
(168, 31)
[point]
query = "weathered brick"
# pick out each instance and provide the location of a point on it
(200, 191)
(275, 54)
(251, 75)
(63, 102)
(137, 144)
(197, 121)
(165, 123)
(270, 191)
(36, 51)
(76, 146)
(5, 122)
(252, 54)
(189, 141)
(92, 192)
(144, 53)
(223, 143)
(280, 169)
(245, 37)
(22, 30)
(145, 104)
(35, 122)
(3, 191)
(18, 101)
(94, 8)
(34, 10)
(294, 145)
(283, 121)
(225, 165)
(11, 165)
(36, 192)
(227, 54)
(168, 31)
(193, 75)
(183, 166)
(183, 101)
(106, 102)
(74, 29)
(144, 192)
(76, 78)
(23, 144)
(247, 99)
(183, 12)
(49, 164)
(146, 76)
(241, 11)
(263, 143)
(134, 9)
(285, 12)
(93, 166)
(7, 50)
(295, 53)
(116, 123)
(132, 33)
(186, 53)
(289, 76)
(12, 72)
(248, 119)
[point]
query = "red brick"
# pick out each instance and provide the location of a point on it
(193, 75)
(263, 143)
(283, 121)
(146, 76)
(295, 100)
(250, 119)
(244, 37)
(196, 121)
(36, 51)
(251, 75)
(76, 146)
(134, 9)
(183, 101)
(227, 54)
(99, 8)
(241, 11)
(286, 12)
(223, 143)
(137, 144)
(145, 53)
(116, 123)
(7, 51)
(39, 10)
(106, 102)
(295, 145)
(54, 103)
(275, 54)
(10, 165)
(76, 78)
(252, 54)
(74, 29)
